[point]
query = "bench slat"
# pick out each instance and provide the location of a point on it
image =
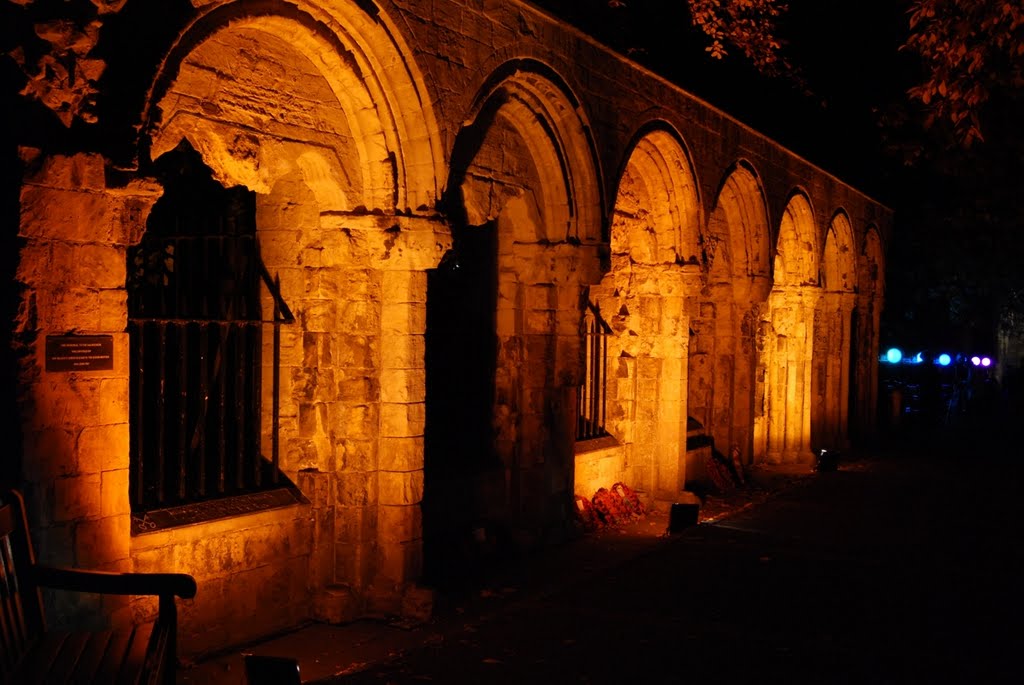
(92, 655)
(113, 657)
(37, 662)
(135, 660)
(6, 521)
(29, 655)
(65, 660)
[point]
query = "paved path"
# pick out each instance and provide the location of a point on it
(896, 570)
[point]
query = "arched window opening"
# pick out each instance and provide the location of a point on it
(196, 288)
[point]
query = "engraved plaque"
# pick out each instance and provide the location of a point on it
(79, 352)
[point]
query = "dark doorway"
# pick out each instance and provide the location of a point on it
(461, 359)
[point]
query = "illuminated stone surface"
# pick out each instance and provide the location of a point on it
(742, 285)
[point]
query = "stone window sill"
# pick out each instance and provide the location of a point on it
(234, 506)
(605, 442)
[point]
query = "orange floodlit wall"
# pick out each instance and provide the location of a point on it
(434, 198)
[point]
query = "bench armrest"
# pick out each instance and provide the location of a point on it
(102, 582)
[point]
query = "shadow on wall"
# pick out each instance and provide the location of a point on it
(10, 433)
(464, 481)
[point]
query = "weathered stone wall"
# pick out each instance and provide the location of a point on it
(253, 571)
(75, 232)
(369, 135)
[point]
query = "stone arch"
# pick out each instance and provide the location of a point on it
(834, 382)
(526, 112)
(319, 110)
(783, 431)
(656, 214)
(796, 260)
(523, 197)
(722, 359)
(871, 265)
(338, 98)
(839, 259)
(655, 266)
(739, 239)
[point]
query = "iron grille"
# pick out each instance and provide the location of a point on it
(592, 395)
(196, 346)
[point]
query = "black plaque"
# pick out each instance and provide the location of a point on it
(79, 352)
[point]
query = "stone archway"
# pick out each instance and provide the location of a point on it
(319, 112)
(523, 196)
(788, 343)
(722, 380)
(655, 268)
(833, 338)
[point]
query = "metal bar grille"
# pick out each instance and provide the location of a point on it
(196, 342)
(205, 416)
(275, 446)
(592, 396)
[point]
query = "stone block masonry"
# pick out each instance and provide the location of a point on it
(435, 192)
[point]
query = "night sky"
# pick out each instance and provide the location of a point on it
(957, 250)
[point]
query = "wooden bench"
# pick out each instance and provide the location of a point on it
(29, 653)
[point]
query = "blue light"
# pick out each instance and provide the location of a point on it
(944, 359)
(894, 355)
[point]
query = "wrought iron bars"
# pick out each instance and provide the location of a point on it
(592, 396)
(197, 374)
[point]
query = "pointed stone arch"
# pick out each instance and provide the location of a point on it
(655, 266)
(524, 197)
(320, 110)
(722, 358)
(656, 214)
(797, 255)
(834, 375)
(783, 431)
(871, 265)
(528, 143)
(839, 258)
(738, 235)
(333, 93)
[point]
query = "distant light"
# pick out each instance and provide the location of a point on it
(986, 362)
(917, 358)
(944, 359)
(894, 355)
(976, 360)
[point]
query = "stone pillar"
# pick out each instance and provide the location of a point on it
(402, 419)
(788, 353)
(832, 370)
(72, 273)
(405, 252)
(670, 432)
(671, 347)
(537, 371)
(533, 397)
(376, 425)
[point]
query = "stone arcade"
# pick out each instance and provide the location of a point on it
(380, 274)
